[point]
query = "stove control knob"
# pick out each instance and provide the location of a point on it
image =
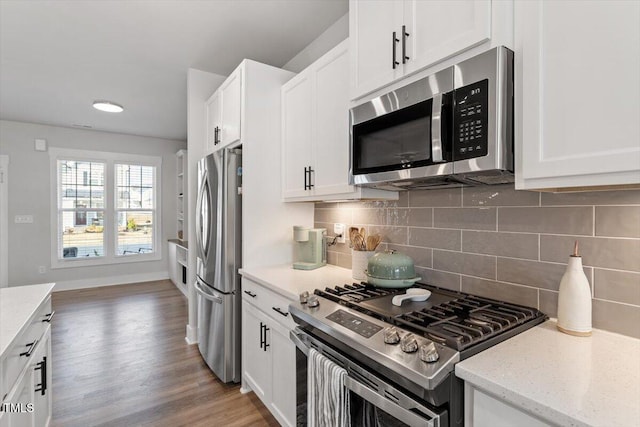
(304, 297)
(313, 301)
(391, 335)
(428, 353)
(408, 344)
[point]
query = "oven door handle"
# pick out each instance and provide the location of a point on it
(295, 337)
(436, 129)
(405, 415)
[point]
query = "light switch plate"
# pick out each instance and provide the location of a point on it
(23, 219)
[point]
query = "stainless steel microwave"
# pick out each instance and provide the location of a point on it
(451, 128)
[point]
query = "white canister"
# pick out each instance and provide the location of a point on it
(359, 263)
(574, 300)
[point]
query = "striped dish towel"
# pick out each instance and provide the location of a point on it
(327, 396)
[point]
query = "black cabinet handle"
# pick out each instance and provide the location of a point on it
(265, 337)
(394, 40)
(405, 58)
(310, 172)
(49, 317)
(277, 310)
(32, 347)
(42, 366)
(251, 294)
(262, 334)
(306, 186)
(216, 134)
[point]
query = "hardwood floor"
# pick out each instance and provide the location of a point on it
(120, 359)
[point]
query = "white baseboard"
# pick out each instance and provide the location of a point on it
(192, 335)
(95, 282)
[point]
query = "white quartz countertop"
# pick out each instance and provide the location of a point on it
(290, 283)
(18, 305)
(565, 380)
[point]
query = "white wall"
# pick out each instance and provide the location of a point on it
(29, 194)
(326, 41)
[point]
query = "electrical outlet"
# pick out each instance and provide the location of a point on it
(23, 219)
(339, 230)
(42, 269)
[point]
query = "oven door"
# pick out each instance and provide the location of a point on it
(404, 134)
(374, 402)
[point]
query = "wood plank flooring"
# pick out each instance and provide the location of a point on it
(120, 359)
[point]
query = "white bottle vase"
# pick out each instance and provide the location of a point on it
(574, 300)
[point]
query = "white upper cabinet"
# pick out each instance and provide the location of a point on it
(224, 109)
(393, 39)
(212, 110)
(315, 133)
(296, 132)
(371, 27)
(577, 94)
(440, 29)
(231, 91)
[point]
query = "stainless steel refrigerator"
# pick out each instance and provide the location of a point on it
(219, 252)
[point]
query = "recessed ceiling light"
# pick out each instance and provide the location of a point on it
(107, 106)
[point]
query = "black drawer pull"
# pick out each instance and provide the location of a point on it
(31, 346)
(251, 294)
(49, 317)
(42, 366)
(277, 310)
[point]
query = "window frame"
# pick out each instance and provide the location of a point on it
(110, 219)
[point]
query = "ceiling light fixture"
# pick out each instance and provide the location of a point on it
(108, 106)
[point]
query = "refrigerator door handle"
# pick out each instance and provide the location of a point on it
(201, 228)
(207, 295)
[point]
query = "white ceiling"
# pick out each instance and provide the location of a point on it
(57, 57)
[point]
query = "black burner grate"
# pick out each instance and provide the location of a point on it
(463, 321)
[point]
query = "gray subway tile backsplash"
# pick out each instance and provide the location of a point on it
(451, 235)
(498, 195)
(465, 263)
(604, 252)
(465, 218)
(576, 220)
(620, 286)
(435, 238)
(517, 245)
(618, 221)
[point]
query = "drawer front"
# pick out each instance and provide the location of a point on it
(269, 302)
(16, 359)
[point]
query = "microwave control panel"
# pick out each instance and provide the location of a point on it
(471, 121)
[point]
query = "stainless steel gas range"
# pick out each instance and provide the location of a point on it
(400, 359)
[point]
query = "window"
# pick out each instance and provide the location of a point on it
(107, 208)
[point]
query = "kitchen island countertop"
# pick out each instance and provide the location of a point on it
(290, 283)
(562, 379)
(18, 305)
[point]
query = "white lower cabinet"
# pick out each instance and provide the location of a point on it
(484, 410)
(268, 356)
(26, 369)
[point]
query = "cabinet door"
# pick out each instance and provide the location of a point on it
(331, 123)
(42, 382)
(283, 397)
(577, 68)
(21, 398)
(296, 134)
(213, 122)
(439, 29)
(371, 27)
(231, 93)
(257, 362)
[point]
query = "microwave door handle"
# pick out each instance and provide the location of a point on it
(436, 129)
